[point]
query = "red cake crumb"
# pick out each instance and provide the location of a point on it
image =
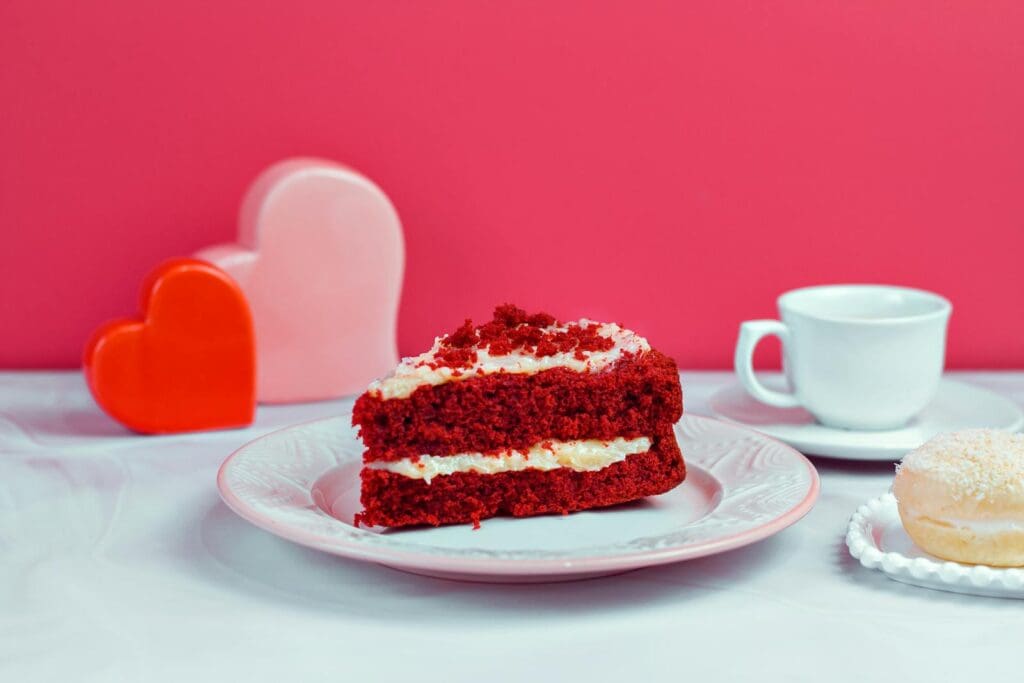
(393, 500)
(513, 329)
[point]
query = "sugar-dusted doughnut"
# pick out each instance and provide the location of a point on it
(961, 497)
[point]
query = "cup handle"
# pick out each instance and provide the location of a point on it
(751, 332)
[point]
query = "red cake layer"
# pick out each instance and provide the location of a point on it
(638, 396)
(393, 500)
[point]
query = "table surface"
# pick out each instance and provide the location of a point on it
(119, 562)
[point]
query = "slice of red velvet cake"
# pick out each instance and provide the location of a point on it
(521, 416)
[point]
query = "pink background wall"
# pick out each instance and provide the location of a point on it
(671, 165)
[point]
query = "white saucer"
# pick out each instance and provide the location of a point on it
(956, 406)
(302, 484)
(876, 537)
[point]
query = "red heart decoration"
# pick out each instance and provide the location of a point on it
(187, 363)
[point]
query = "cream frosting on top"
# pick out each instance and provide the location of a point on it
(974, 463)
(424, 370)
(583, 455)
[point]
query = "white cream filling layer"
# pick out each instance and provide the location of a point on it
(587, 455)
(987, 526)
(415, 371)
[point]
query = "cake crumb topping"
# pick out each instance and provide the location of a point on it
(514, 342)
(513, 329)
(976, 462)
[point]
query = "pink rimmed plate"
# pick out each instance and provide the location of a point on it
(302, 484)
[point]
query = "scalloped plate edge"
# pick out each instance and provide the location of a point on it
(879, 513)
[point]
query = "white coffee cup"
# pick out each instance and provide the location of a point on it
(864, 357)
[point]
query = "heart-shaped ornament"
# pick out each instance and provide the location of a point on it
(320, 257)
(187, 363)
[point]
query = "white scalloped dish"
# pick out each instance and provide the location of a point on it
(876, 537)
(302, 484)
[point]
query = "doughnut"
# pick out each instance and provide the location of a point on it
(961, 497)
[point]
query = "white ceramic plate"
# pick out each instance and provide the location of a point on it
(956, 406)
(876, 537)
(302, 483)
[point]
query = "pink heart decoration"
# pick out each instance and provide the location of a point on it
(320, 258)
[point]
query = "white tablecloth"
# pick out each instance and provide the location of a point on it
(118, 562)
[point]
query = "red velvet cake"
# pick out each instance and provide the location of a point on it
(522, 416)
